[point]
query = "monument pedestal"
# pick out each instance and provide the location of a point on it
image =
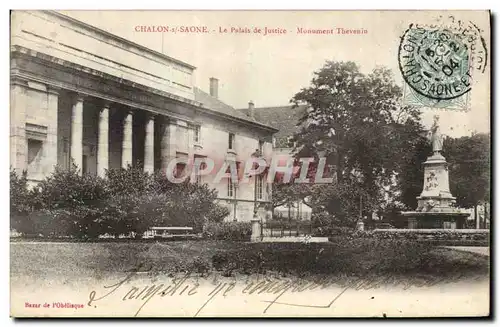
(435, 203)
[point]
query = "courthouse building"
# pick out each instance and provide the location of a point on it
(80, 94)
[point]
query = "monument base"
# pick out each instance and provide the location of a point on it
(435, 220)
(435, 208)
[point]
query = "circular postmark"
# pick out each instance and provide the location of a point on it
(437, 61)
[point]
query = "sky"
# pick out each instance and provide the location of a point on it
(270, 69)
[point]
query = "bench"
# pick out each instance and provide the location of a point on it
(169, 232)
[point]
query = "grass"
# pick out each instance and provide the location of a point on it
(358, 257)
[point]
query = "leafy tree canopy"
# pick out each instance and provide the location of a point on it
(356, 121)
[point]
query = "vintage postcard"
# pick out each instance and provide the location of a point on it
(250, 163)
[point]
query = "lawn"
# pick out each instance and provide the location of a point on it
(354, 257)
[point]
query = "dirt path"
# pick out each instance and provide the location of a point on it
(482, 250)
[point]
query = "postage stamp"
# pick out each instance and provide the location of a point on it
(438, 62)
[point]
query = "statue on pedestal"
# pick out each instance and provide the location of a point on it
(436, 136)
(435, 207)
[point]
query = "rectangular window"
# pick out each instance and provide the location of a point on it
(261, 147)
(34, 149)
(197, 134)
(230, 188)
(231, 141)
(202, 166)
(179, 169)
(260, 186)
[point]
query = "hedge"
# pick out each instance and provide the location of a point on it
(427, 234)
(229, 231)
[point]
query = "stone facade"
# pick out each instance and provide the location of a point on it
(284, 118)
(83, 95)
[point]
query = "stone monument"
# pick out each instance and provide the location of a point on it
(435, 207)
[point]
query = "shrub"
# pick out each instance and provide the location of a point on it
(329, 231)
(69, 204)
(67, 189)
(325, 224)
(36, 223)
(233, 231)
(126, 213)
(217, 213)
(21, 202)
(322, 219)
(129, 181)
(199, 265)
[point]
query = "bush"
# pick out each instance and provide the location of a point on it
(68, 204)
(21, 202)
(38, 223)
(322, 219)
(67, 189)
(126, 213)
(326, 225)
(188, 204)
(20, 197)
(127, 200)
(230, 231)
(329, 231)
(217, 213)
(129, 181)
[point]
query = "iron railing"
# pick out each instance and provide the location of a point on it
(282, 228)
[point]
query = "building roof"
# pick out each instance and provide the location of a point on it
(218, 106)
(117, 38)
(283, 118)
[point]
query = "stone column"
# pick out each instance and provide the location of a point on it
(18, 143)
(127, 140)
(149, 156)
(168, 150)
(50, 153)
(256, 230)
(103, 141)
(76, 151)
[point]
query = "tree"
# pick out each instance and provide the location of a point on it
(289, 193)
(469, 166)
(357, 123)
(411, 177)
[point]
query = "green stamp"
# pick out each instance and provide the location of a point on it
(435, 63)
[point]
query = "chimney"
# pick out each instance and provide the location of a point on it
(251, 109)
(214, 87)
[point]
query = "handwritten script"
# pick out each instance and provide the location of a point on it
(188, 285)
